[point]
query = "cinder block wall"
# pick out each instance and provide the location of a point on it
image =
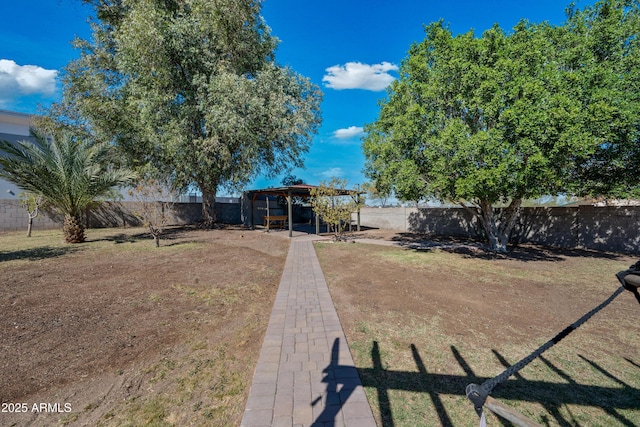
(111, 214)
(548, 226)
(441, 221)
(612, 229)
(13, 217)
(122, 214)
(259, 211)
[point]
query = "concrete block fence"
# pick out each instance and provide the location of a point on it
(614, 229)
(13, 217)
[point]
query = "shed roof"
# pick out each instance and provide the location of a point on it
(300, 190)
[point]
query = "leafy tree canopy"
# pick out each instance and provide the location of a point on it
(289, 180)
(191, 89)
(489, 121)
(333, 206)
(602, 50)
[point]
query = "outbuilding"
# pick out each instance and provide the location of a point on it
(290, 192)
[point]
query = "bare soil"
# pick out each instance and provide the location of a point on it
(427, 318)
(528, 288)
(116, 332)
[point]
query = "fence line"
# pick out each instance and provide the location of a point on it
(613, 229)
(13, 217)
(609, 228)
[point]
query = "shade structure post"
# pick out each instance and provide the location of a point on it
(253, 218)
(290, 213)
(268, 213)
(358, 213)
(253, 222)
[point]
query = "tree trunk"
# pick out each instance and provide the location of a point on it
(155, 232)
(32, 213)
(208, 208)
(497, 224)
(73, 229)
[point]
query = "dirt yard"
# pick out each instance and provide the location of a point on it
(117, 332)
(426, 319)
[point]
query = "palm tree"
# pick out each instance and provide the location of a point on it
(70, 172)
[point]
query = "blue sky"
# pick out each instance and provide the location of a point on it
(350, 48)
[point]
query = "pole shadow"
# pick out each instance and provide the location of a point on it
(551, 395)
(335, 397)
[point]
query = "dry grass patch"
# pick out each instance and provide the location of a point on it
(130, 334)
(423, 324)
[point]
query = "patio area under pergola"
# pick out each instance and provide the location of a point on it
(289, 192)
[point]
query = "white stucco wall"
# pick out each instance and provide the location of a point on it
(13, 126)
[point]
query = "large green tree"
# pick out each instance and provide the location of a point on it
(602, 50)
(68, 171)
(489, 121)
(191, 88)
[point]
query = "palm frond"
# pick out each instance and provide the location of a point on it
(69, 172)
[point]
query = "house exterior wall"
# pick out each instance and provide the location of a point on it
(13, 127)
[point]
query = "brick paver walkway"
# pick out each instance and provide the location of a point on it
(305, 375)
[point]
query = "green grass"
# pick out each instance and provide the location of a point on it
(415, 369)
(420, 377)
(481, 270)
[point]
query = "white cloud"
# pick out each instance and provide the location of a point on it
(356, 75)
(331, 173)
(350, 132)
(17, 80)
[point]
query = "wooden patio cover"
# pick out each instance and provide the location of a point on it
(302, 190)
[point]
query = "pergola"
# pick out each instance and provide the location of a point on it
(303, 191)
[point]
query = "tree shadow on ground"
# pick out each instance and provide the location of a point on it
(121, 238)
(35, 254)
(171, 233)
(551, 395)
(473, 248)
